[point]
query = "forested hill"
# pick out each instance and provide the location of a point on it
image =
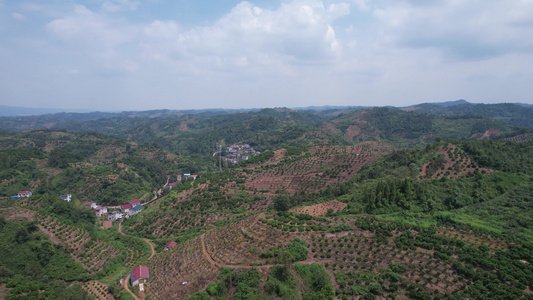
(265, 129)
(513, 114)
(124, 120)
(408, 128)
(92, 166)
(195, 133)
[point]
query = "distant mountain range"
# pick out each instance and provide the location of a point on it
(157, 125)
(13, 111)
(451, 103)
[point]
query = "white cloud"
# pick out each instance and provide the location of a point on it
(298, 32)
(18, 16)
(101, 38)
(476, 29)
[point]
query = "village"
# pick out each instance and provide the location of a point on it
(130, 209)
(237, 153)
(139, 274)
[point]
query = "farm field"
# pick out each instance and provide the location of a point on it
(315, 170)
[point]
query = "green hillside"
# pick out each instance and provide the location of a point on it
(376, 203)
(91, 166)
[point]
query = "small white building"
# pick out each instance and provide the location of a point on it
(66, 197)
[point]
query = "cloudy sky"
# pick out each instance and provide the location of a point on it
(182, 54)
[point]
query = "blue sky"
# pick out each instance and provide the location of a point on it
(183, 54)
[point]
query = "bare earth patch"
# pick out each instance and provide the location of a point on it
(320, 209)
(107, 224)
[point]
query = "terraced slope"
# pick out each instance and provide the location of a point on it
(319, 168)
(453, 162)
(92, 254)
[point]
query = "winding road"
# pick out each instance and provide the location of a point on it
(128, 289)
(128, 277)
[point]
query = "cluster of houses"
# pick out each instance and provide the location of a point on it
(132, 208)
(179, 178)
(237, 153)
(126, 210)
(241, 150)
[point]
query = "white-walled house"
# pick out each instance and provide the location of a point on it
(25, 194)
(139, 275)
(100, 211)
(90, 205)
(126, 208)
(114, 215)
(66, 197)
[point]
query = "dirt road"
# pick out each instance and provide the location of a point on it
(128, 289)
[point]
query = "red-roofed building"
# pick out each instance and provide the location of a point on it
(90, 205)
(100, 211)
(126, 208)
(26, 194)
(139, 275)
(135, 202)
(171, 185)
(170, 245)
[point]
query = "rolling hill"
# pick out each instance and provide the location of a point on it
(340, 204)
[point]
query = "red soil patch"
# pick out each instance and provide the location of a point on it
(489, 133)
(107, 224)
(352, 131)
(320, 209)
(329, 129)
(17, 212)
(4, 291)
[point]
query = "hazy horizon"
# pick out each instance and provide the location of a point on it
(29, 111)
